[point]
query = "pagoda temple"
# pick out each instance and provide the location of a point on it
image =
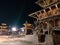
(48, 22)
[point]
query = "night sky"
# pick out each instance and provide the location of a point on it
(15, 12)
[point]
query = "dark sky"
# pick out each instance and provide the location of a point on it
(15, 12)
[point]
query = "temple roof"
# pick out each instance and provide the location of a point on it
(45, 3)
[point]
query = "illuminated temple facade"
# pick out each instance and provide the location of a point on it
(48, 20)
(3, 28)
(28, 28)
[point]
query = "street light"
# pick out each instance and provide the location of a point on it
(14, 29)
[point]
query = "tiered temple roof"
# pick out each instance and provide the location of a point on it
(49, 11)
(44, 3)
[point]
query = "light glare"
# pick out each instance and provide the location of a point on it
(14, 29)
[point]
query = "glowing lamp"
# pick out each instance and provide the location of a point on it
(14, 29)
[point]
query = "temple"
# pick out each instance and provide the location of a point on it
(48, 22)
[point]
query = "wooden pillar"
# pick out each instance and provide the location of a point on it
(54, 22)
(47, 26)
